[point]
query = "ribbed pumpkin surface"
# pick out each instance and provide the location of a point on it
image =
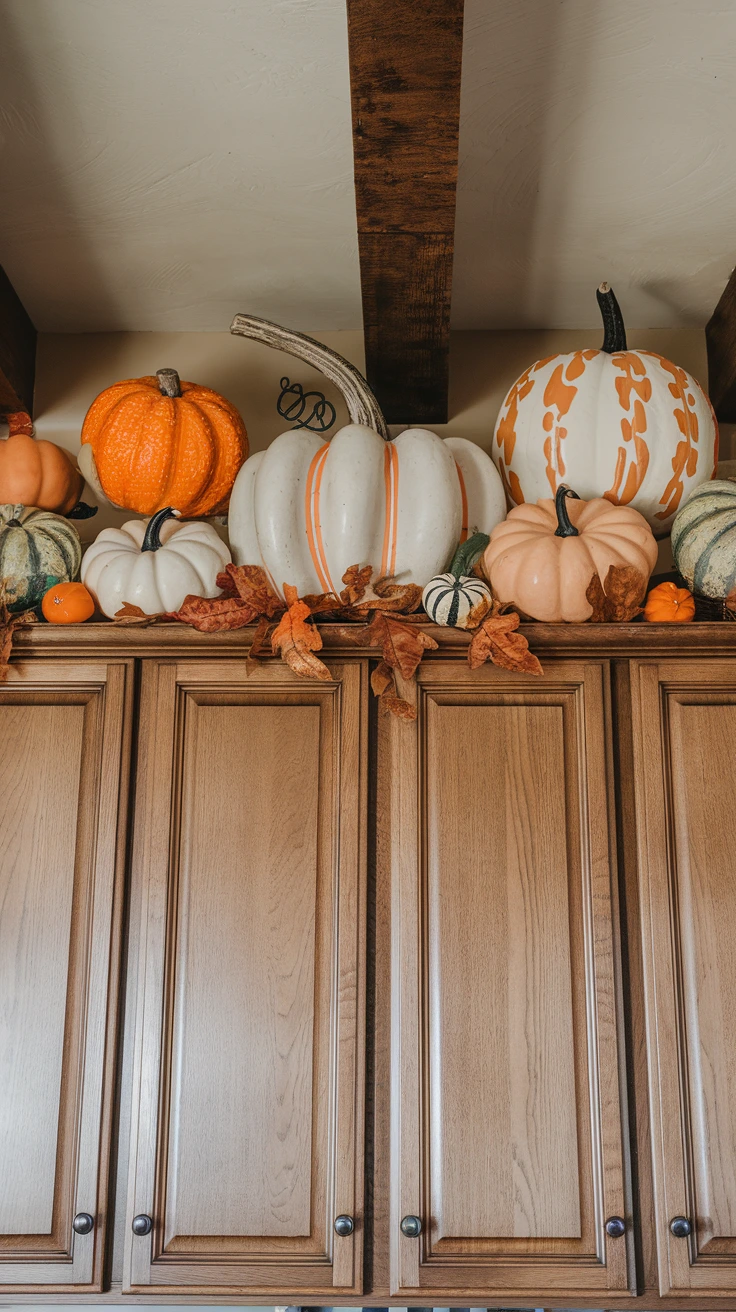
(704, 539)
(37, 549)
(153, 450)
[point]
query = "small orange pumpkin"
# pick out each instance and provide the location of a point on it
(35, 473)
(668, 604)
(542, 558)
(67, 603)
(158, 441)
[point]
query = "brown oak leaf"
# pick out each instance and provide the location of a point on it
(497, 640)
(402, 598)
(323, 603)
(251, 585)
(383, 683)
(297, 640)
(9, 622)
(619, 598)
(258, 645)
(356, 579)
(213, 614)
(130, 614)
(402, 645)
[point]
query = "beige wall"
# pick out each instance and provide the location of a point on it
(73, 368)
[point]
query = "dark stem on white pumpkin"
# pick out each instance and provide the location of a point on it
(168, 382)
(152, 539)
(467, 554)
(614, 332)
(564, 528)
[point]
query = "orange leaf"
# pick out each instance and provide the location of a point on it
(323, 603)
(213, 614)
(383, 683)
(250, 584)
(256, 648)
(356, 579)
(497, 640)
(620, 598)
(296, 640)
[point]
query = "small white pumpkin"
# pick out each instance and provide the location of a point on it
(154, 565)
(457, 599)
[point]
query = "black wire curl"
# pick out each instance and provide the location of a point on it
(293, 402)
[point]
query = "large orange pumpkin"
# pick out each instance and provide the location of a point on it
(158, 441)
(35, 473)
(542, 558)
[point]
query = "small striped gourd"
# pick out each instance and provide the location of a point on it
(457, 599)
(37, 550)
(704, 539)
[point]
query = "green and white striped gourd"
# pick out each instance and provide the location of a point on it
(37, 550)
(457, 599)
(704, 538)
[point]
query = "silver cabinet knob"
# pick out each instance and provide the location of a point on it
(615, 1227)
(83, 1223)
(142, 1225)
(344, 1225)
(681, 1227)
(411, 1226)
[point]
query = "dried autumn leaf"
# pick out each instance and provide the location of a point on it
(257, 646)
(402, 598)
(497, 640)
(619, 598)
(9, 623)
(251, 585)
(383, 683)
(382, 679)
(213, 614)
(297, 640)
(402, 645)
(729, 605)
(356, 579)
(323, 603)
(130, 614)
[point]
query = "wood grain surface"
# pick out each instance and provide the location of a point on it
(405, 64)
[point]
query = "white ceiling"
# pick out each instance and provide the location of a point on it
(169, 162)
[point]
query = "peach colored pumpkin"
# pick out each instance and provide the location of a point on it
(36, 473)
(542, 557)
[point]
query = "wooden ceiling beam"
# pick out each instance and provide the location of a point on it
(17, 351)
(720, 339)
(405, 63)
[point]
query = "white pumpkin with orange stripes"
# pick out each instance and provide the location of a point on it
(307, 509)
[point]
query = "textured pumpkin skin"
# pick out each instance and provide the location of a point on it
(704, 539)
(457, 603)
(68, 603)
(668, 604)
(547, 576)
(37, 473)
(629, 426)
(152, 450)
(37, 549)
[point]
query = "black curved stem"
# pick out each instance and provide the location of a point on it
(564, 528)
(614, 332)
(152, 540)
(81, 511)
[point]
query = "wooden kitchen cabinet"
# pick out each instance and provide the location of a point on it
(65, 729)
(507, 1130)
(684, 739)
(249, 879)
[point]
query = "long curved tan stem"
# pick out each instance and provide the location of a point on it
(362, 405)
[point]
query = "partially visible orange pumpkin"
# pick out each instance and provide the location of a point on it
(36, 473)
(668, 604)
(158, 441)
(67, 603)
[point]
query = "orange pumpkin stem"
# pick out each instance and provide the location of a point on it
(19, 422)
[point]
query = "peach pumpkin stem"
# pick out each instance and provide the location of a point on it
(19, 422)
(152, 539)
(168, 382)
(614, 332)
(565, 529)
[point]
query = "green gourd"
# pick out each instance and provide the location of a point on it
(37, 550)
(704, 538)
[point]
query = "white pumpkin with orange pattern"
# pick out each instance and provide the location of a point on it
(626, 425)
(306, 509)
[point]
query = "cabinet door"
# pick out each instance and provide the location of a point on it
(65, 732)
(247, 1138)
(507, 1138)
(685, 784)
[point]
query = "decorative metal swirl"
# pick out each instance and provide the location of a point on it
(293, 402)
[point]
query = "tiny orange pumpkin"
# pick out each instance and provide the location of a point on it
(668, 604)
(67, 603)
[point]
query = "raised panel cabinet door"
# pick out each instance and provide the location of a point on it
(64, 764)
(684, 721)
(249, 874)
(507, 1140)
